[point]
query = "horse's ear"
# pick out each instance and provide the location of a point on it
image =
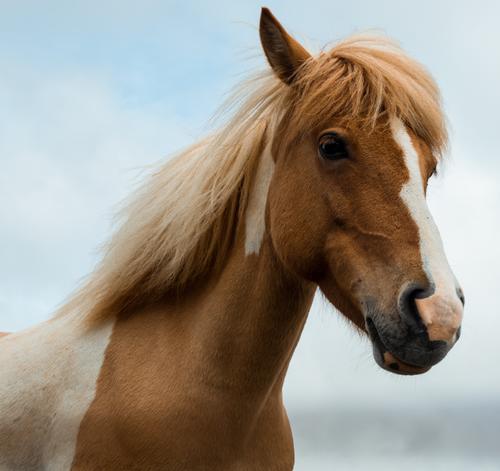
(283, 52)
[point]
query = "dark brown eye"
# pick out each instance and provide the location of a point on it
(332, 147)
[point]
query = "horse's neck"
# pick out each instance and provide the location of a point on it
(247, 322)
(235, 334)
(203, 374)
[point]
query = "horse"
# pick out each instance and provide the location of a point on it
(173, 353)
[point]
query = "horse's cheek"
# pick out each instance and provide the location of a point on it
(298, 228)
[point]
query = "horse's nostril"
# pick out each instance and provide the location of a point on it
(408, 308)
(441, 314)
(461, 296)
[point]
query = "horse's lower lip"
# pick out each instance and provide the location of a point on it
(387, 360)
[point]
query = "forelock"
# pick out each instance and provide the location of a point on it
(364, 79)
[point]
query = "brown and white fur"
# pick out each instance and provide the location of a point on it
(173, 354)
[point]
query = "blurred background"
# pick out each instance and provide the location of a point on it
(92, 93)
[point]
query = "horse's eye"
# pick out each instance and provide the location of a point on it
(332, 147)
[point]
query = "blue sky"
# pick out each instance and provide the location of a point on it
(93, 92)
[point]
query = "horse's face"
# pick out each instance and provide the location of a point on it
(347, 210)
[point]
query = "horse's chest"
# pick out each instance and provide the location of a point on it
(157, 406)
(180, 439)
(139, 425)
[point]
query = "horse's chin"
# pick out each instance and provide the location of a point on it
(389, 362)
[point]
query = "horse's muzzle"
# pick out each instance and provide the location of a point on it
(421, 335)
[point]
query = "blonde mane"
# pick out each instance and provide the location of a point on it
(182, 222)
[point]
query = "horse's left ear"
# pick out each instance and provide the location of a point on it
(283, 52)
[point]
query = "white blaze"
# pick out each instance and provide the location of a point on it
(255, 217)
(434, 259)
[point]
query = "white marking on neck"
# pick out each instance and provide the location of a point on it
(255, 217)
(48, 381)
(412, 193)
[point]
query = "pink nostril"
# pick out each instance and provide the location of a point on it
(441, 315)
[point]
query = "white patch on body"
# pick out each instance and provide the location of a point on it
(443, 305)
(255, 217)
(48, 379)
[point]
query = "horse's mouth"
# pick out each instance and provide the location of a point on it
(386, 359)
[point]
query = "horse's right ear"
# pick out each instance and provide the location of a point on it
(283, 52)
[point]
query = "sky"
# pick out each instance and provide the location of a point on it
(94, 93)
